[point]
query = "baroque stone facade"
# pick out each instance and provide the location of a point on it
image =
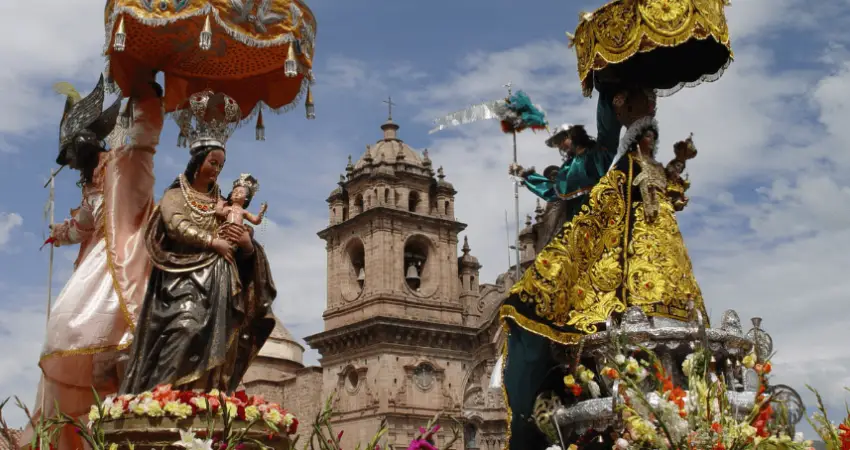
(409, 329)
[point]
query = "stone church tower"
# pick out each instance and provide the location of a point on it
(409, 331)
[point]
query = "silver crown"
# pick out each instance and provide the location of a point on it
(207, 120)
(247, 181)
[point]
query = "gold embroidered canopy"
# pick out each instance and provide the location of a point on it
(259, 52)
(659, 44)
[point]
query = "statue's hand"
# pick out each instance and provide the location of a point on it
(239, 236)
(223, 248)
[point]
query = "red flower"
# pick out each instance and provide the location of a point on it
(717, 428)
(241, 396)
(576, 388)
(294, 427)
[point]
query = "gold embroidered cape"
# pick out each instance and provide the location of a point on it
(608, 258)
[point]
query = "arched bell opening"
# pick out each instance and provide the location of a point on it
(421, 271)
(355, 276)
(413, 200)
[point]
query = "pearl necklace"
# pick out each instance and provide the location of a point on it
(202, 209)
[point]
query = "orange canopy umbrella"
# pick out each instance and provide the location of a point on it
(258, 52)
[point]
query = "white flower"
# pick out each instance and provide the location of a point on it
(287, 420)
(273, 416)
(94, 413)
(187, 438)
(620, 359)
(593, 387)
(622, 444)
(688, 365)
(252, 413)
(200, 403)
(199, 444)
(633, 367)
(554, 447)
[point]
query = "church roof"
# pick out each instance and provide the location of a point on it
(280, 332)
(390, 150)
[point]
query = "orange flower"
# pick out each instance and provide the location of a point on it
(611, 373)
(767, 367)
(576, 390)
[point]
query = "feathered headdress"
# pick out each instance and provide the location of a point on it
(84, 117)
(517, 113)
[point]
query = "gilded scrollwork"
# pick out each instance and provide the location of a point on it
(576, 277)
(668, 17)
(660, 276)
(616, 26)
(601, 264)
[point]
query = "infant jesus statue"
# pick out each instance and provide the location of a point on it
(232, 210)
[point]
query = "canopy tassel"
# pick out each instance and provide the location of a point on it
(261, 128)
(120, 41)
(206, 35)
(182, 140)
(309, 106)
(291, 64)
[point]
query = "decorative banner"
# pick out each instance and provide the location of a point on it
(515, 113)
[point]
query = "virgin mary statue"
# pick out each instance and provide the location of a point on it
(207, 310)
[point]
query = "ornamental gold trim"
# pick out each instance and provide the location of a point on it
(622, 28)
(561, 337)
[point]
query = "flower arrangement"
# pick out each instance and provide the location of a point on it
(836, 437)
(167, 402)
(668, 417)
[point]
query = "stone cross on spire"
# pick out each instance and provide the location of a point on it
(390, 104)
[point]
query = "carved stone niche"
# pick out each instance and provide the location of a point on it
(425, 376)
(474, 397)
(352, 380)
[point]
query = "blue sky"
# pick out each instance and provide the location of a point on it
(767, 227)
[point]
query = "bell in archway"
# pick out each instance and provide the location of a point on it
(361, 277)
(412, 276)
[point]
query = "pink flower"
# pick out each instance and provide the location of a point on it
(421, 444)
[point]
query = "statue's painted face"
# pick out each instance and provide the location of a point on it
(212, 166)
(239, 195)
(566, 144)
(647, 142)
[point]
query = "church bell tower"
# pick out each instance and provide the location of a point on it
(395, 344)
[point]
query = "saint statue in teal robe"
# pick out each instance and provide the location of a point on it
(529, 362)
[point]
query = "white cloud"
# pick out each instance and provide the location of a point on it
(54, 41)
(8, 223)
